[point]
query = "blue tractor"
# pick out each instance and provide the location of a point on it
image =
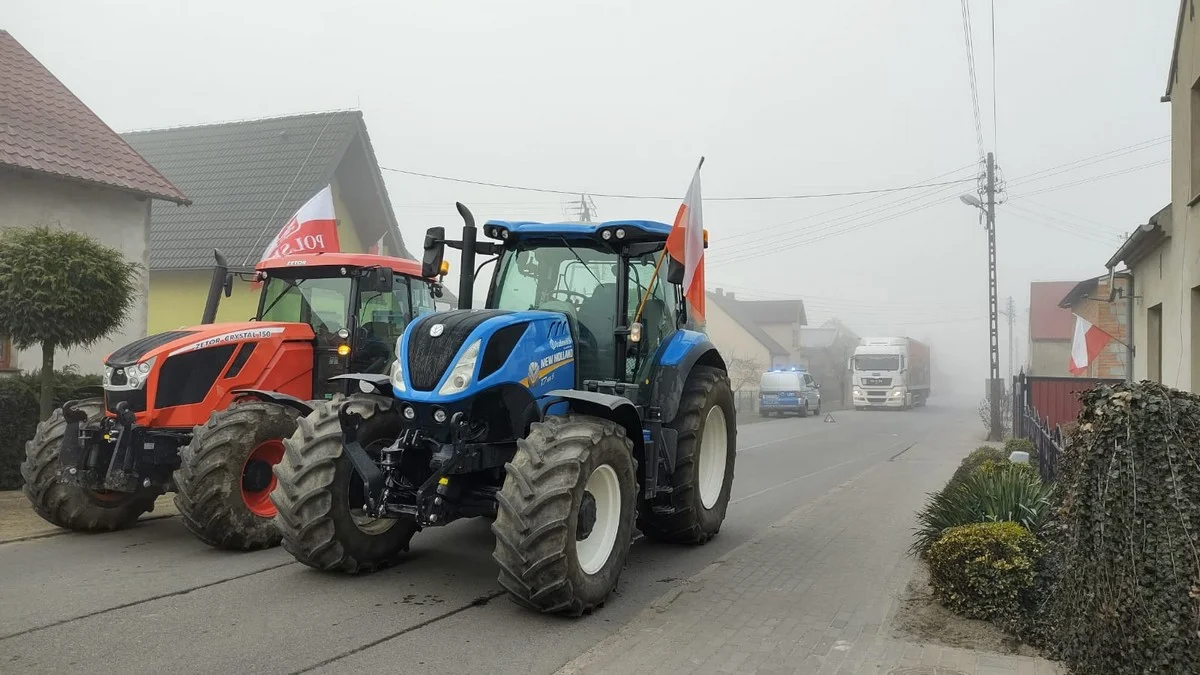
(571, 411)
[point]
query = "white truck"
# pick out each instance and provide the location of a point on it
(889, 372)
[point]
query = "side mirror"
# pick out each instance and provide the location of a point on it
(378, 280)
(435, 252)
(674, 271)
(228, 287)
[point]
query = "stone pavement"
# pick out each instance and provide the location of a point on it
(814, 593)
(18, 522)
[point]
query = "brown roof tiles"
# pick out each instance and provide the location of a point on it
(46, 129)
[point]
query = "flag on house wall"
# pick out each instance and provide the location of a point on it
(686, 245)
(1086, 345)
(313, 229)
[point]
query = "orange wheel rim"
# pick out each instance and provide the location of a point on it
(258, 479)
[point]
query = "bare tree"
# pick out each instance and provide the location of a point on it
(743, 372)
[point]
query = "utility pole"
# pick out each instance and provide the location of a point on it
(583, 209)
(1011, 313)
(995, 384)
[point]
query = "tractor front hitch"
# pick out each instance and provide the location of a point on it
(372, 477)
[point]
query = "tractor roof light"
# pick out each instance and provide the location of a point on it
(606, 235)
(620, 233)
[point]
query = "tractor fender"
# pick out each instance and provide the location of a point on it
(300, 406)
(675, 360)
(605, 406)
(382, 383)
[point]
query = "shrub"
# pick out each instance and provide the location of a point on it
(985, 570)
(976, 459)
(19, 415)
(1127, 598)
(1021, 445)
(1009, 493)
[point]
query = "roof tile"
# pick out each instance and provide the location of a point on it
(47, 129)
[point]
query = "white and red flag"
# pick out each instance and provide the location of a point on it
(686, 245)
(1087, 344)
(313, 229)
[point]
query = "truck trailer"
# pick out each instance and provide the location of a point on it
(890, 372)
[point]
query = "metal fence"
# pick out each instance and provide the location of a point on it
(746, 401)
(1047, 441)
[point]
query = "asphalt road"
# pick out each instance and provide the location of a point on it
(154, 600)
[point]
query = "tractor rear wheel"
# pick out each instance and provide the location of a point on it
(71, 506)
(319, 495)
(566, 513)
(704, 461)
(224, 477)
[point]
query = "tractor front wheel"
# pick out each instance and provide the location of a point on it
(224, 479)
(71, 506)
(704, 460)
(566, 514)
(319, 494)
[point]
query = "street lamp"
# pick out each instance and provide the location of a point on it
(972, 200)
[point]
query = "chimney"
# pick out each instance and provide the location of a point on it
(731, 295)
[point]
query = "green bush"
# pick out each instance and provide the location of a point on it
(985, 570)
(1127, 534)
(976, 459)
(1005, 493)
(1021, 445)
(19, 415)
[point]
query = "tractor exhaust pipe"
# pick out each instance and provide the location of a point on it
(466, 280)
(221, 281)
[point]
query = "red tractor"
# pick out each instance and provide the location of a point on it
(203, 411)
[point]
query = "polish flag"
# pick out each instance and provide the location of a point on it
(1087, 344)
(313, 229)
(686, 245)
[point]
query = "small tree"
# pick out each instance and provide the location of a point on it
(743, 372)
(61, 289)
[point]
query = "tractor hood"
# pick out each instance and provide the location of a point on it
(195, 338)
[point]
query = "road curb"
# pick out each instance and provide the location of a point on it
(695, 583)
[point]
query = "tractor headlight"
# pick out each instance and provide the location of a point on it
(463, 371)
(397, 376)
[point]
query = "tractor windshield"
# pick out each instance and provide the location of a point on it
(320, 302)
(581, 281)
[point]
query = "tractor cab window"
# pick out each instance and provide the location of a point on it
(320, 302)
(658, 312)
(577, 280)
(382, 318)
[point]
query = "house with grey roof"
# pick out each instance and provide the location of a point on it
(747, 345)
(62, 166)
(246, 179)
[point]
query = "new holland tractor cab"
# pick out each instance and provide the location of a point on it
(571, 410)
(189, 411)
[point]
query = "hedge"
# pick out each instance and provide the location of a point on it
(976, 459)
(1127, 595)
(985, 570)
(19, 415)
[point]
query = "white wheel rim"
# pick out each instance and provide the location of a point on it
(714, 452)
(595, 550)
(368, 525)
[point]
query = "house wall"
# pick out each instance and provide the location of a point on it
(736, 346)
(1170, 276)
(113, 218)
(1050, 358)
(1112, 318)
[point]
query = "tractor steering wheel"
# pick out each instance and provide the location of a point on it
(574, 297)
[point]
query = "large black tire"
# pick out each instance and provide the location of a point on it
(538, 525)
(70, 506)
(313, 494)
(693, 522)
(224, 475)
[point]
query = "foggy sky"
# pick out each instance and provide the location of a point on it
(623, 97)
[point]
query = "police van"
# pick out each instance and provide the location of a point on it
(788, 391)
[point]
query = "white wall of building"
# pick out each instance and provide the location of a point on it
(113, 218)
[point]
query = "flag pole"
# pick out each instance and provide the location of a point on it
(654, 279)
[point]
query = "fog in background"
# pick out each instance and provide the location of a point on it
(623, 97)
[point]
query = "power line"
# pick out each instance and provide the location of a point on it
(614, 195)
(995, 122)
(1089, 160)
(970, 44)
(1093, 179)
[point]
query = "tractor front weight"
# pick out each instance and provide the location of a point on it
(115, 455)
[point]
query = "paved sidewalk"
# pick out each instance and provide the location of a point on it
(812, 594)
(18, 521)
